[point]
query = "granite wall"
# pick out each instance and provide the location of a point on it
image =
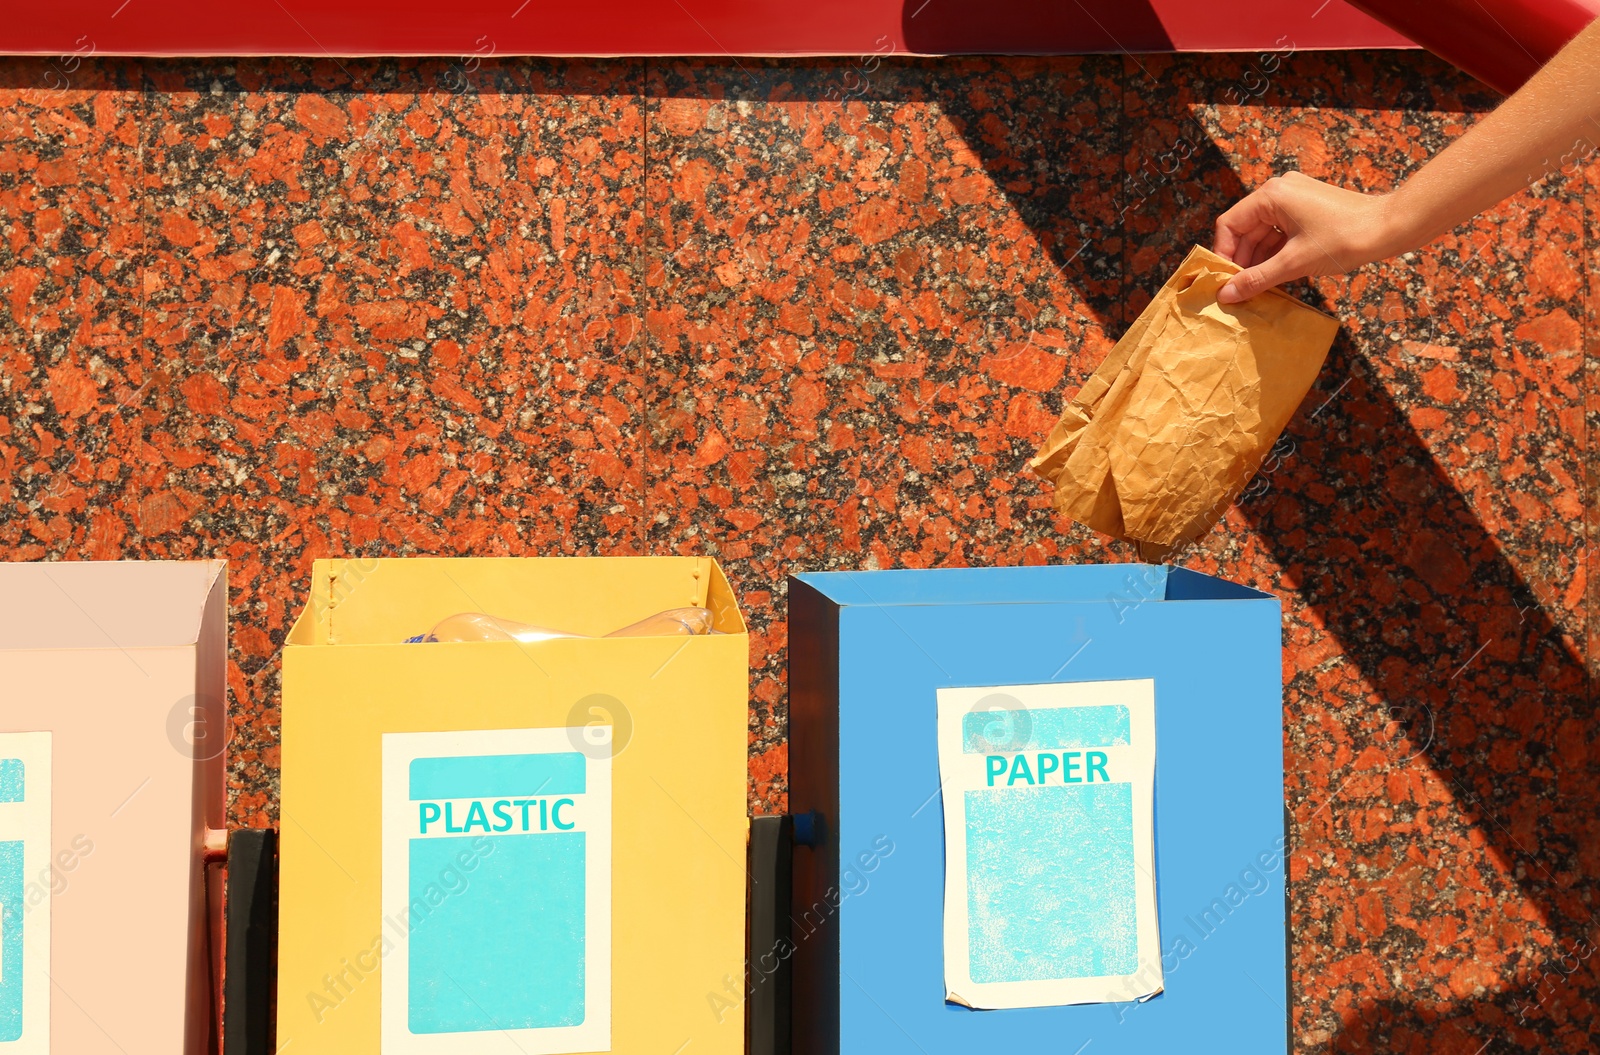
(817, 314)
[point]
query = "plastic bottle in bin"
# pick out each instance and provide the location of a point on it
(674, 622)
(479, 626)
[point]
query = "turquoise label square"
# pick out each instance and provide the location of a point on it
(1051, 886)
(507, 950)
(1045, 728)
(11, 909)
(12, 784)
(501, 946)
(483, 776)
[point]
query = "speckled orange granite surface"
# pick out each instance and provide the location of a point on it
(817, 314)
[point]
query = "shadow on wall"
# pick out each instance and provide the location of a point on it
(985, 27)
(1460, 666)
(1461, 669)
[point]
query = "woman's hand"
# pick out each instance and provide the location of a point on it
(1294, 226)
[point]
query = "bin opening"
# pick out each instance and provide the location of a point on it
(372, 601)
(1053, 584)
(104, 604)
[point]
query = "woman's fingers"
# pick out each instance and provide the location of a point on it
(1286, 265)
(1293, 226)
(1246, 254)
(1270, 245)
(1250, 218)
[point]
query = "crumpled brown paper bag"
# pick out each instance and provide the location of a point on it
(1175, 422)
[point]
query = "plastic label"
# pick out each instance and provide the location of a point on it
(497, 874)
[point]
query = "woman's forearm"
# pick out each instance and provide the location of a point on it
(1293, 226)
(1550, 122)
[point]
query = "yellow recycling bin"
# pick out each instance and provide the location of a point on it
(494, 848)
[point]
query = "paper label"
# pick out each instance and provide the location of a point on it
(1050, 890)
(25, 893)
(497, 869)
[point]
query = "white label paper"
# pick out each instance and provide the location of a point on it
(1050, 890)
(497, 868)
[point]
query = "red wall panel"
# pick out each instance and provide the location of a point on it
(1500, 42)
(679, 27)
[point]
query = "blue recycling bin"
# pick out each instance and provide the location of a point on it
(875, 659)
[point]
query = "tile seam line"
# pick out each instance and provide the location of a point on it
(1586, 192)
(646, 540)
(1125, 142)
(142, 190)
